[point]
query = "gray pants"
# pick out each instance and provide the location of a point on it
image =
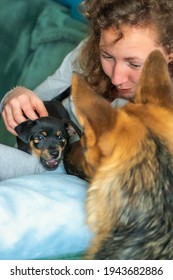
(14, 163)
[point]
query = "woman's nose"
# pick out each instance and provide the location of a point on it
(119, 75)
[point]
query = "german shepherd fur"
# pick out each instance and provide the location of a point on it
(129, 158)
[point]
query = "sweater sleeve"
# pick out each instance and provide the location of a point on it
(61, 79)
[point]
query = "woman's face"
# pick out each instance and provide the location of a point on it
(122, 61)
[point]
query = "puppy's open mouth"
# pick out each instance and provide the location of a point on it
(50, 164)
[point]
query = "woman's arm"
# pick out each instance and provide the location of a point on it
(61, 79)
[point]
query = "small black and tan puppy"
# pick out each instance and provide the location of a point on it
(47, 137)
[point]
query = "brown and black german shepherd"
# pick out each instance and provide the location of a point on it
(129, 156)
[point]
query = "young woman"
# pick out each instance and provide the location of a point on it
(122, 34)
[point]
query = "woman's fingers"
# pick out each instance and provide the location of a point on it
(22, 104)
(9, 124)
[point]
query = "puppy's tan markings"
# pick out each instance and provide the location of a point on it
(34, 151)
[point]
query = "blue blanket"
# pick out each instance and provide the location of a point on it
(43, 217)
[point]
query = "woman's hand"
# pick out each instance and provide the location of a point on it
(22, 103)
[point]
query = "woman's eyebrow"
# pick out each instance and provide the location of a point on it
(128, 58)
(133, 58)
(101, 47)
(102, 50)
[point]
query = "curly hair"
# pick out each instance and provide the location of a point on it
(103, 14)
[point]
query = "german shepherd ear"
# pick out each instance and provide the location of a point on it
(95, 114)
(155, 84)
(24, 130)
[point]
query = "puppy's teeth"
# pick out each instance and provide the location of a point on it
(51, 162)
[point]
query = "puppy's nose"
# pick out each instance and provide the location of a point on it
(54, 153)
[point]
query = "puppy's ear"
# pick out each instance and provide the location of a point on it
(72, 128)
(24, 130)
(155, 84)
(95, 114)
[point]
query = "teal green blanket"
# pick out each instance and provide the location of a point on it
(35, 37)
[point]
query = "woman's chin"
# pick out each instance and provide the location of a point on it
(125, 95)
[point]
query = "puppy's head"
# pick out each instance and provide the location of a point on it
(116, 133)
(45, 138)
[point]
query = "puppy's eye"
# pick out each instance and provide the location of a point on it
(60, 136)
(39, 138)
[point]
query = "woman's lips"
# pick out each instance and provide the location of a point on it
(125, 93)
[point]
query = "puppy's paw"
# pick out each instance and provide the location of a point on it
(73, 158)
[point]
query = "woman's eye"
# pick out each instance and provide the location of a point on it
(135, 65)
(105, 56)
